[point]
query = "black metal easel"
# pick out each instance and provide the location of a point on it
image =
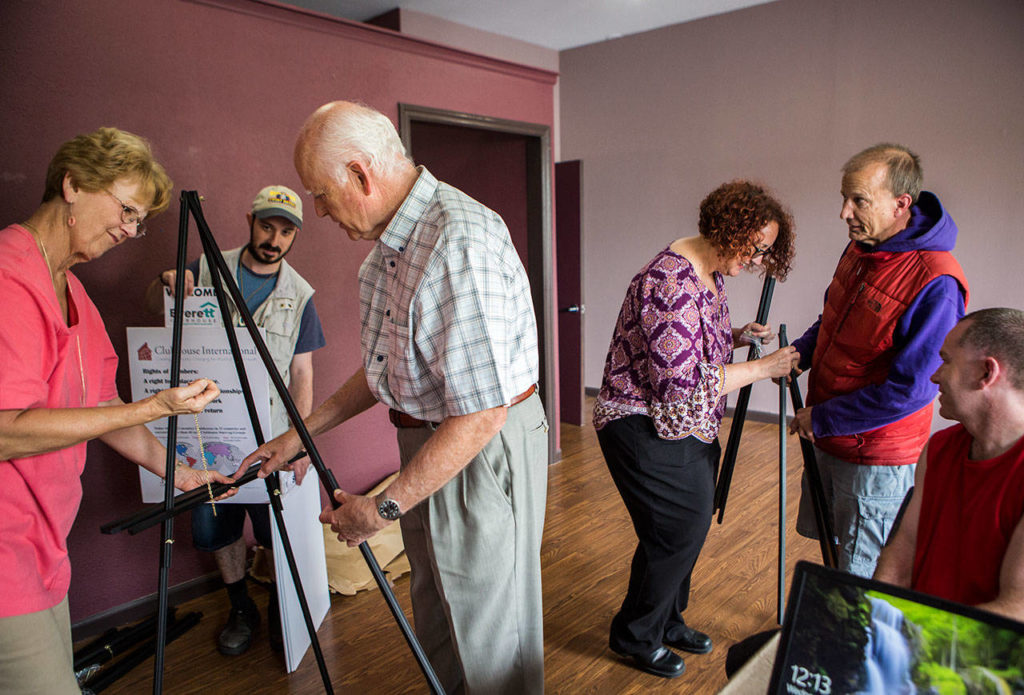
(165, 513)
(781, 586)
(822, 515)
(739, 414)
(819, 501)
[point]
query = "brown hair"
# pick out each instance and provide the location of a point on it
(97, 159)
(732, 215)
(998, 333)
(903, 167)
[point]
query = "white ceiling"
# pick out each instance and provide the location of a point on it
(554, 24)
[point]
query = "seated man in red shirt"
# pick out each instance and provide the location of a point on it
(962, 535)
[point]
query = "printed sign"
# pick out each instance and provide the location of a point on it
(224, 425)
(200, 309)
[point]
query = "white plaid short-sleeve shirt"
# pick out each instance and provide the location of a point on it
(447, 318)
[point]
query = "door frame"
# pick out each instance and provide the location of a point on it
(570, 273)
(540, 260)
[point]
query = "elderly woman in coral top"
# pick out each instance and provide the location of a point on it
(57, 391)
(661, 403)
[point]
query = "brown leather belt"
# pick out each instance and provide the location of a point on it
(400, 419)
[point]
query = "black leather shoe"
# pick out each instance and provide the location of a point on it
(236, 636)
(686, 638)
(661, 662)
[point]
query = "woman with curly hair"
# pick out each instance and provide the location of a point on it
(661, 403)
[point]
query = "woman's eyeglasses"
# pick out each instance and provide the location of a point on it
(758, 252)
(130, 215)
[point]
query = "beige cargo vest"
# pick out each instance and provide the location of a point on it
(280, 315)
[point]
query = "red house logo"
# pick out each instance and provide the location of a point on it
(145, 354)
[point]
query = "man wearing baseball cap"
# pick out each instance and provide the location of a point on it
(280, 301)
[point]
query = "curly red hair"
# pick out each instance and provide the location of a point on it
(732, 215)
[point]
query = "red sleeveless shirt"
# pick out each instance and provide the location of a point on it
(968, 514)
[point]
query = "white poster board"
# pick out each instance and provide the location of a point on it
(225, 427)
(301, 518)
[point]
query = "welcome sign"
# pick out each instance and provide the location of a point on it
(200, 308)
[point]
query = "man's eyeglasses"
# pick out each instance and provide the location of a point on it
(130, 215)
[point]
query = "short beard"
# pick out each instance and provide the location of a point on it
(255, 251)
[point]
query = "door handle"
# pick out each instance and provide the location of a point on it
(575, 309)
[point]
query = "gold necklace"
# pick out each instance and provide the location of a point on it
(46, 257)
(42, 247)
(202, 458)
(53, 281)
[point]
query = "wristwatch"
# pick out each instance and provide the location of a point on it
(387, 507)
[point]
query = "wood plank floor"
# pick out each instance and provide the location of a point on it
(588, 543)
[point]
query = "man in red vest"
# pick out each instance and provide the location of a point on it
(896, 293)
(962, 535)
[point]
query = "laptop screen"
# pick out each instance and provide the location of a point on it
(845, 634)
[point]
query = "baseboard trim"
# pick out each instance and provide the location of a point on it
(758, 415)
(136, 610)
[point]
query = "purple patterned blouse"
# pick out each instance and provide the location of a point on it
(667, 356)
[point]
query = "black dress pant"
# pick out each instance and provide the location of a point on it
(668, 488)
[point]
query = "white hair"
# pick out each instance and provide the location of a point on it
(341, 132)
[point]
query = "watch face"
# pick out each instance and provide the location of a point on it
(389, 509)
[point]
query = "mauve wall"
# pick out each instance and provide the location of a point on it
(220, 89)
(785, 93)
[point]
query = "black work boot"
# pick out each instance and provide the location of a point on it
(237, 634)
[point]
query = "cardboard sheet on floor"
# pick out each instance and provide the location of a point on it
(347, 572)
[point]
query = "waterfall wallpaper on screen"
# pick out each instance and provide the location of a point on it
(851, 641)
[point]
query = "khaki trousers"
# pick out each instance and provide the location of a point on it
(474, 547)
(36, 655)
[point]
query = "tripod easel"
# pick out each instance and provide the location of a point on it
(822, 514)
(222, 276)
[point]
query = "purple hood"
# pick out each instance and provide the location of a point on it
(930, 229)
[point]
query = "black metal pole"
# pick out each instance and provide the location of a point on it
(272, 484)
(782, 489)
(167, 536)
(739, 414)
(326, 476)
(819, 501)
(153, 514)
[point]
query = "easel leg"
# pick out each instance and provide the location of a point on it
(161, 628)
(819, 502)
(172, 441)
(822, 512)
(739, 414)
(782, 499)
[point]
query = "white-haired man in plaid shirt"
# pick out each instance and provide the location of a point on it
(449, 344)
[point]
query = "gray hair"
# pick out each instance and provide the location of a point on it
(904, 175)
(998, 333)
(342, 132)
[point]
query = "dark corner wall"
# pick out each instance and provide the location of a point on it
(220, 88)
